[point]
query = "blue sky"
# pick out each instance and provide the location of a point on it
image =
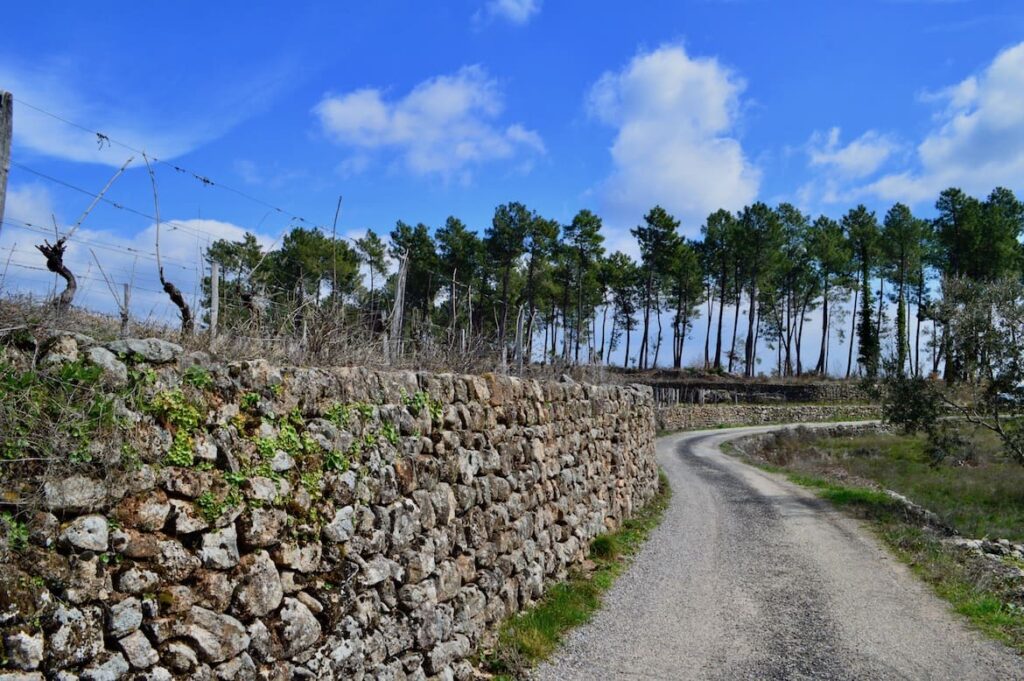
(415, 111)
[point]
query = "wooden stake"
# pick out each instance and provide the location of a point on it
(6, 130)
(124, 310)
(214, 298)
(397, 312)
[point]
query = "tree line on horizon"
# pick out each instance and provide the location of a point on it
(532, 290)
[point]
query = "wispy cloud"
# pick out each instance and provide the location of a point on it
(51, 90)
(978, 140)
(444, 126)
(517, 12)
(858, 158)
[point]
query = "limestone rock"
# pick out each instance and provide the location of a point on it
(217, 637)
(259, 590)
(301, 558)
(264, 645)
(114, 668)
(180, 657)
(214, 589)
(262, 527)
(176, 562)
(281, 462)
(340, 529)
(136, 580)
(241, 668)
(301, 629)
(139, 651)
(206, 449)
(87, 532)
(114, 370)
(62, 348)
(24, 650)
(220, 549)
(124, 618)
(185, 518)
(375, 571)
(151, 350)
(43, 528)
(85, 580)
(74, 494)
(145, 512)
(155, 674)
(443, 654)
(77, 637)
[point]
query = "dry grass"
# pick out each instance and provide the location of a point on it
(330, 340)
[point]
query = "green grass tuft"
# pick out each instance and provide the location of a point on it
(604, 547)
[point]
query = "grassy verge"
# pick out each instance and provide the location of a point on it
(533, 635)
(987, 593)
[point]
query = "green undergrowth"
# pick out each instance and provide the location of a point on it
(534, 634)
(989, 596)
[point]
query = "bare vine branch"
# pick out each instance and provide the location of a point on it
(172, 291)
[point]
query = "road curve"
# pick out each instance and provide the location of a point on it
(752, 577)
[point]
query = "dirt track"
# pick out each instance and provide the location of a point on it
(752, 577)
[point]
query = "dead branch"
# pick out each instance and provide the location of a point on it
(170, 289)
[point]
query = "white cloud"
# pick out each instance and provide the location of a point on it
(125, 258)
(517, 12)
(978, 141)
(859, 158)
(29, 202)
(445, 125)
(676, 117)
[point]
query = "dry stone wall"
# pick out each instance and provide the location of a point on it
(701, 416)
(670, 391)
(311, 523)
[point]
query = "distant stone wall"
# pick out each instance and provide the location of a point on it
(319, 524)
(698, 417)
(695, 391)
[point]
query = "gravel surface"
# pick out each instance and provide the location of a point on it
(752, 577)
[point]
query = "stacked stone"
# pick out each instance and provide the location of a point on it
(701, 416)
(400, 567)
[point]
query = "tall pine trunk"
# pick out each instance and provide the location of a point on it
(718, 335)
(800, 338)
(819, 368)
(748, 355)
(853, 331)
(657, 344)
(625, 358)
(707, 334)
(917, 333)
(735, 328)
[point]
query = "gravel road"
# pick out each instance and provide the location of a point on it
(752, 577)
